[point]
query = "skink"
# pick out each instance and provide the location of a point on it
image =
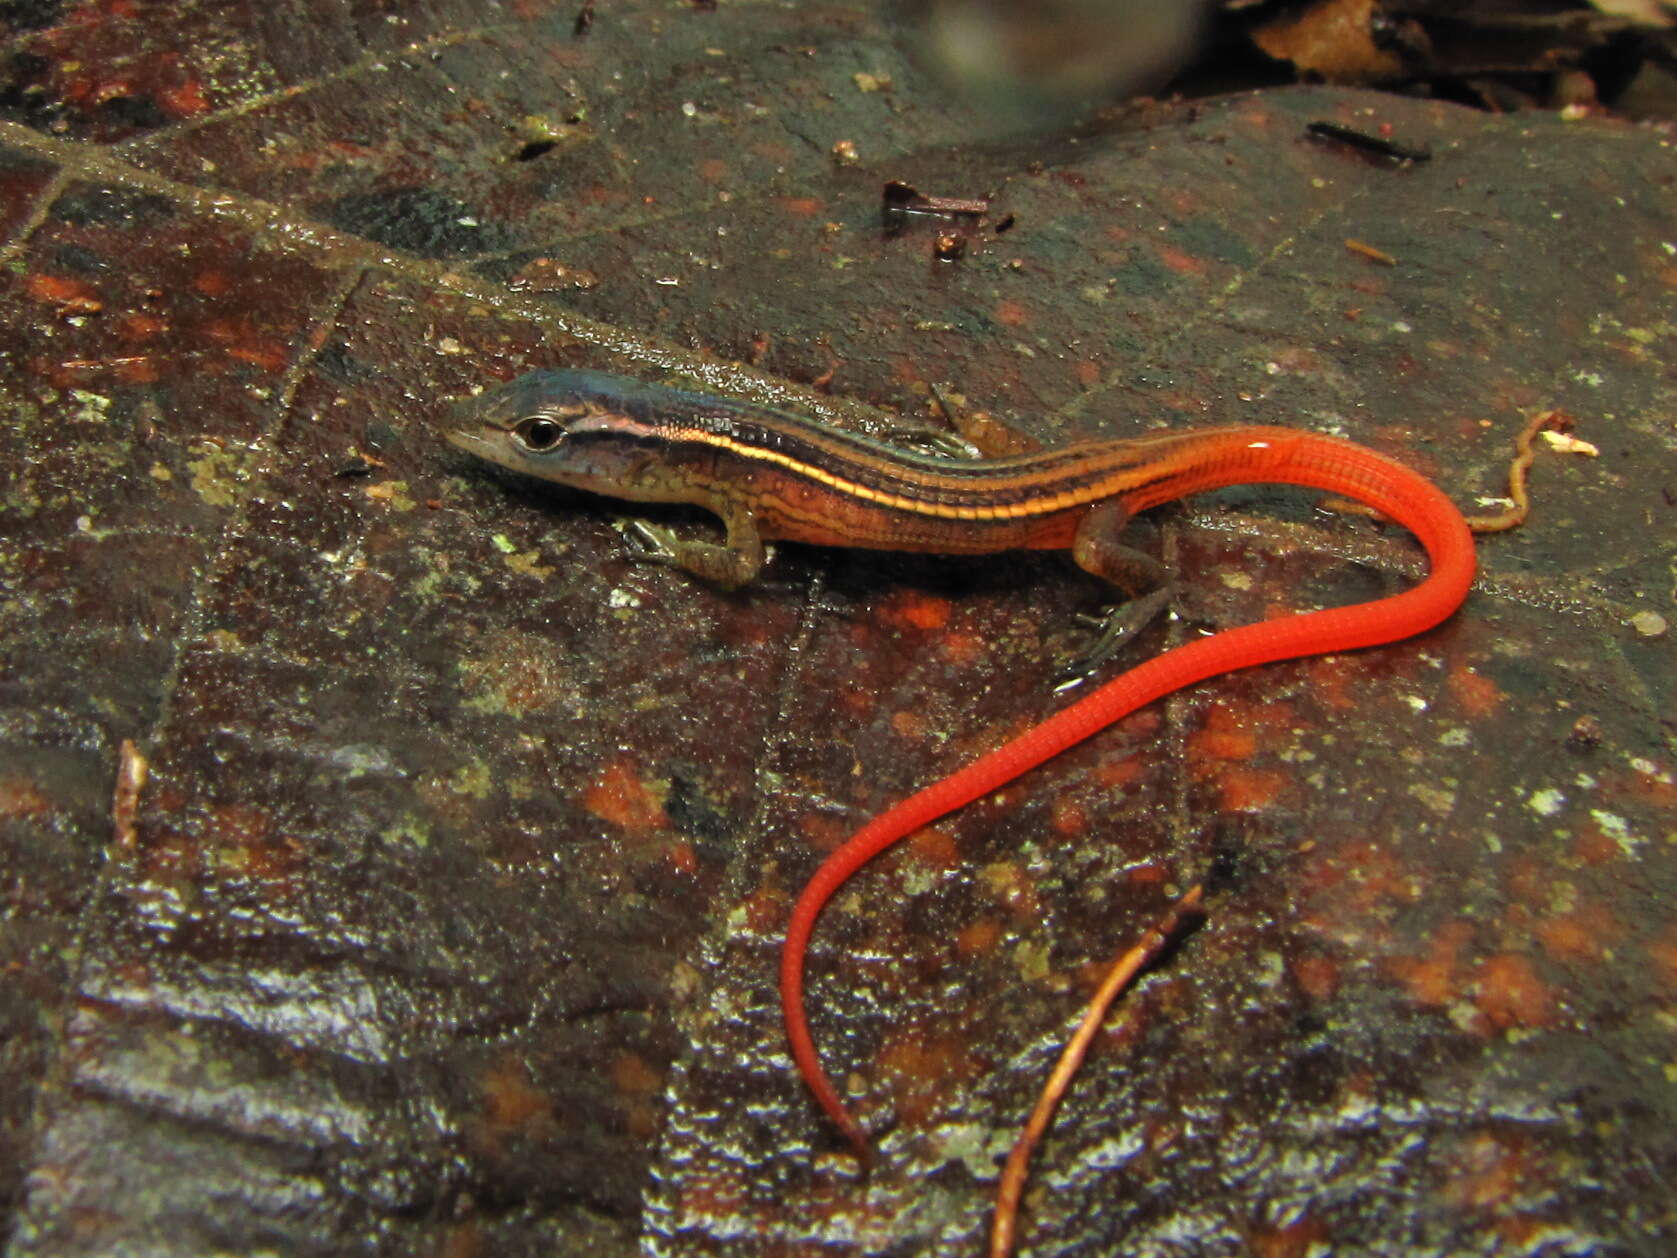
(772, 475)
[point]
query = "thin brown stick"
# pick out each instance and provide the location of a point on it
(1524, 453)
(1012, 1185)
(1371, 253)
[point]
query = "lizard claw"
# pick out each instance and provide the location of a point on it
(648, 543)
(1113, 628)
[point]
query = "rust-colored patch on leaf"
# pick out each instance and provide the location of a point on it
(979, 937)
(1335, 681)
(213, 281)
(1181, 262)
(183, 100)
(935, 846)
(71, 296)
(512, 1106)
(1580, 937)
(1296, 1239)
(241, 341)
(1592, 846)
(19, 797)
(631, 1075)
(1316, 974)
(919, 1069)
(1356, 877)
(682, 858)
(1147, 875)
(1221, 739)
(1433, 979)
(1651, 784)
(138, 325)
(1068, 818)
(620, 796)
(1662, 955)
(1250, 790)
(1010, 313)
(1489, 1172)
(1478, 696)
(911, 723)
(961, 648)
(910, 609)
(822, 832)
(1230, 736)
(1117, 774)
(1510, 993)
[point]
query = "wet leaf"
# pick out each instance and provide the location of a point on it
(448, 914)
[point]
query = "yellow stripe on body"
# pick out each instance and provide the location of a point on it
(1035, 504)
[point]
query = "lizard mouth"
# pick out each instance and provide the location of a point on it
(469, 441)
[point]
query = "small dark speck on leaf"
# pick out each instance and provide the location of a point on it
(1308, 1023)
(693, 813)
(74, 259)
(534, 149)
(338, 364)
(950, 247)
(418, 220)
(139, 112)
(358, 465)
(1585, 734)
(1227, 867)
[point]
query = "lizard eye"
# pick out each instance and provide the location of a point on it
(538, 434)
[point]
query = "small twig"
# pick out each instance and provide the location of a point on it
(131, 770)
(1125, 969)
(1524, 453)
(1379, 145)
(909, 199)
(1371, 253)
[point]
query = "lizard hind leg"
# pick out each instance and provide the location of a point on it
(1142, 579)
